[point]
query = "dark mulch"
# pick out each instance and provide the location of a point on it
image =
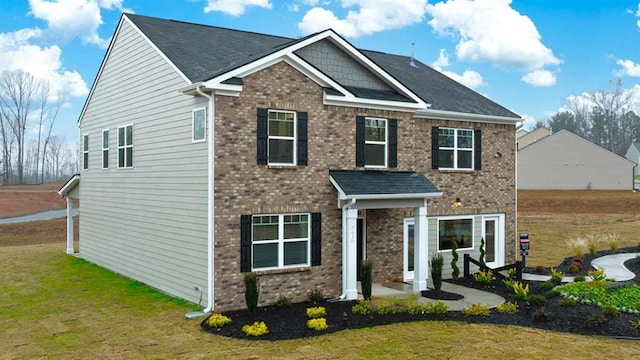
(586, 259)
(580, 319)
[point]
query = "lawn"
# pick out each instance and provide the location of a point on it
(56, 306)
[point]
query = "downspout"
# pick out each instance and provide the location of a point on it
(210, 207)
(344, 252)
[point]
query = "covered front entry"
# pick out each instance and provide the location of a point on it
(381, 190)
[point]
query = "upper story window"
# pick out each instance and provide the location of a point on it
(280, 241)
(281, 137)
(105, 149)
(125, 146)
(376, 142)
(85, 152)
(199, 117)
(456, 149)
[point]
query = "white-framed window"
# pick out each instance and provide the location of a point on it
(375, 142)
(458, 229)
(125, 146)
(199, 125)
(85, 152)
(455, 149)
(282, 130)
(280, 241)
(105, 149)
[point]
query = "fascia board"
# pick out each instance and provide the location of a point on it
(352, 101)
(395, 196)
(453, 115)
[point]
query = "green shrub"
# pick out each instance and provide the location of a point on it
(454, 259)
(556, 276)
(540, 315)
(567, 302)
(512, 273)
(435, 308)
(592, 243)
(609, 310)
(578, 278)
(366, 280)
(362, 308)
(595, 320)
(476, 310)
(256, 329)
(317, 324)
(283, 303)
(547, 285)
(482, 252)
(484, 277)
(218, 321)
(251, 292)
(508, 284)
(508, 308)
(316, 312)
(521, 291)
(552, 294)
(316, 296)
(597, 275)
(436, 270)
(614, 242)
(536, 299)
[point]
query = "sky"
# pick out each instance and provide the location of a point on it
(528, 55)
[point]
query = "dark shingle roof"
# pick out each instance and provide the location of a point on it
(203, 52)
(358, 182)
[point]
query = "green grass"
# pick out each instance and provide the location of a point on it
(597, 292)
(56, 306)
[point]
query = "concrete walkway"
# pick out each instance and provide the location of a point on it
(45, 215)
(613, 266)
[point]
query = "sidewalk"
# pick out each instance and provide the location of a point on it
(613, 266)
(45, 215)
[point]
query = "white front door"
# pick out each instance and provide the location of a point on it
(408, 249)
(493, 234)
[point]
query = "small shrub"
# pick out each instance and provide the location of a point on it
(595, 320)
(578, 260)
(508, 308)
(436, 270)
(316, 296)
(482, 251)
(567, 302)
(521, 291)
(610, 310)
(577, 246)
(573, 268)
(283, 303)
(454, 260)
(597, 275)
(614, 242)
(547, 285)
(316, 312)
(552, 294)
(476, 310)
(511, 273)
(318, 324)
(366, 271)
(540, 315)
(536, 299)
(362, 308)
(436, 308)
(556, 276)
(256, 329)
(218, 321)
(578, 278)
(635, 324)
(592, 243)
(484, 277)
(251, 292)
(508, 284)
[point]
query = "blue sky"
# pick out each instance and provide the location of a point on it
(527, 55)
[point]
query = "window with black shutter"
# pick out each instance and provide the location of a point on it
(281, 137)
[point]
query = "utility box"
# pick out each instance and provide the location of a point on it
(525, 244)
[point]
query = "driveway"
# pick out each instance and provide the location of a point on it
(45, 215)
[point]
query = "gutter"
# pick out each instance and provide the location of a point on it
(210, 207)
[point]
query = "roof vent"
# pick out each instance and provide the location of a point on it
(412, 63)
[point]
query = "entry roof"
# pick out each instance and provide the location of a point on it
(363, 184)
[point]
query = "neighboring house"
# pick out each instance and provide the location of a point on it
(633, 154)
(525, 139)
(566, 161)
(322, 155)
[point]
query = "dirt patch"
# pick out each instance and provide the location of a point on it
(578, 202)
(18, 200)
(36, 232)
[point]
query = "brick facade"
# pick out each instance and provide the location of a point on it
(242, 187)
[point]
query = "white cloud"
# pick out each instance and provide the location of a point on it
(638, 15)
(442, 61)
(629, 68)
(67, 19)
(583, 102)
(491, 31)
(370, 16)
(469, 78)
(540, 78)
(234, 7)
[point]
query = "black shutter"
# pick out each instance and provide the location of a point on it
(302, 138)
(245, 243)
(477, 149)
(262, 137)
(435, 148)
(360, 141)
(316, 238)
(393, 143)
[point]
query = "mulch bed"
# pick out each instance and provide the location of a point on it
(290, 323)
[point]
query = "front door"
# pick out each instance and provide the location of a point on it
(408, 249)
(493, 240)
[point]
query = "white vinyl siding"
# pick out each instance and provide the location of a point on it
(149, 222)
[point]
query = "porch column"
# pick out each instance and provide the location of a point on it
(349, 256)
(69, 226)
(420, 253)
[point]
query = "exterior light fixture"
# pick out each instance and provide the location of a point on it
(457, 204)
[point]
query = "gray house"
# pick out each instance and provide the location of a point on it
(210, 152)
(633, 154)
(566, 161)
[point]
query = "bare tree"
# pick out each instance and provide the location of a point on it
(17, 92)
(52, 114)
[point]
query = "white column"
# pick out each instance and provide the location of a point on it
(350, 263)
(421, 254)
(69, 226)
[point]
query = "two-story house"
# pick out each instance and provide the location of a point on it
(210, 152)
